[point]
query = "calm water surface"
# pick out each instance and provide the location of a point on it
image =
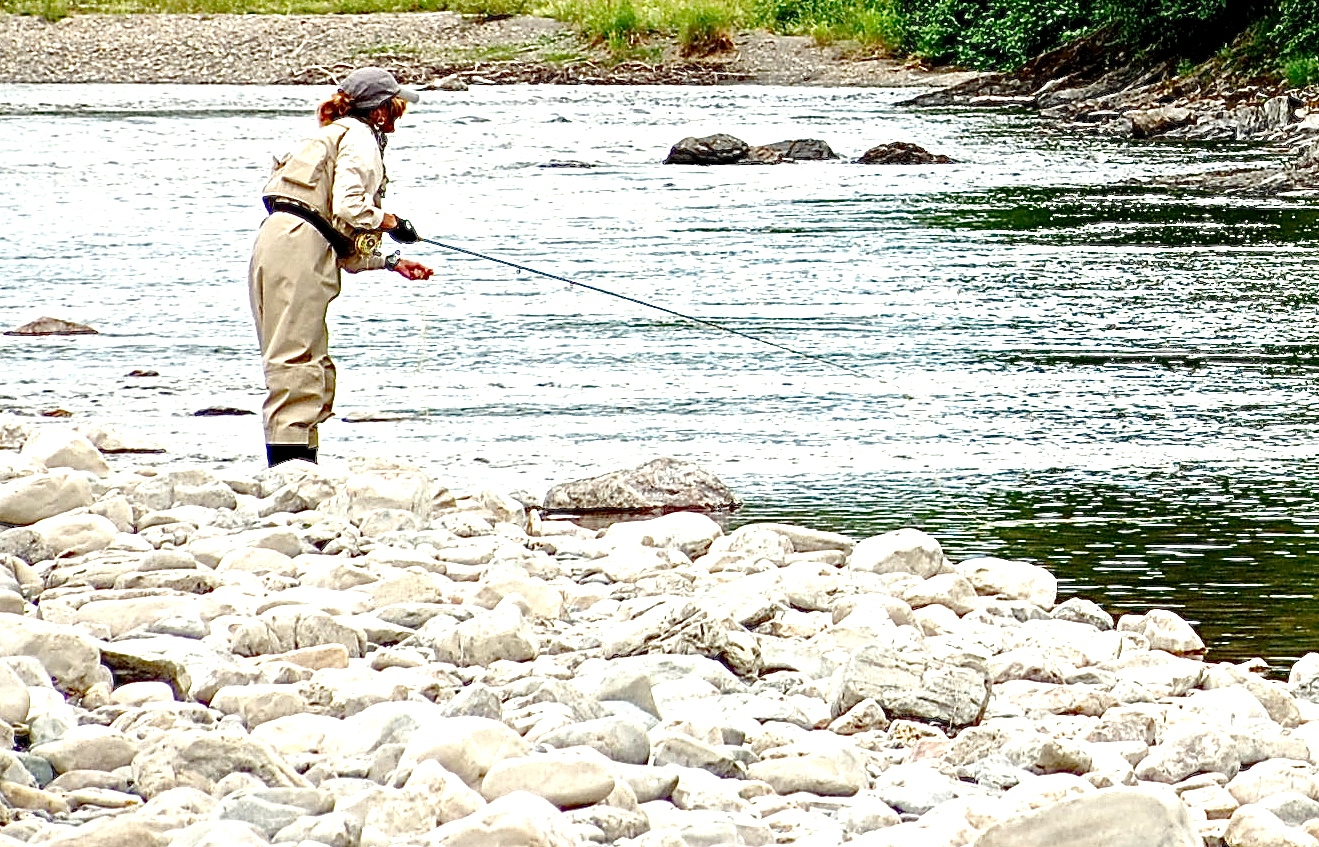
(1117, 382)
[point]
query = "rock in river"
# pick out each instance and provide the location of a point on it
(717, 149)
(661, 485)
(902, 153)
(52, 326)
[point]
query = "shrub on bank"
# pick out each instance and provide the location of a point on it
(992, 33)
(875, 24)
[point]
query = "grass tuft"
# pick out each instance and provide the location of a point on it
(50, 10)
(1301, 71)
(705, 27)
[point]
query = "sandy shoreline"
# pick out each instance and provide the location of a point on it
(420, 47)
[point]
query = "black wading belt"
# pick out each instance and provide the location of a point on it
(342, 244)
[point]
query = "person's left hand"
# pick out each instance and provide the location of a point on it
(404, 232)
(413, 270)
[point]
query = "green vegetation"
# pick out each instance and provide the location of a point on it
(875, 24)
(624, 26)
(1301, 71)
(1004, 34)
(1277, 35)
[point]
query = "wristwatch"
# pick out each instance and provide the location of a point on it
(391, 261)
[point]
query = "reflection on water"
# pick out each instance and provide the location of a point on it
(1113, 380)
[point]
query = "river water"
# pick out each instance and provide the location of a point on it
(1114, 381)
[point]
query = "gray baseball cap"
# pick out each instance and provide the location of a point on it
(368, 88)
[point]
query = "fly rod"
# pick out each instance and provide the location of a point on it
(667, 311)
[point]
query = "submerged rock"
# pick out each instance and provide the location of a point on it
(803, 150)
(902, 153)
(52, 326)
(221, 411)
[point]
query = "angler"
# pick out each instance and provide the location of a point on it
(326, 216)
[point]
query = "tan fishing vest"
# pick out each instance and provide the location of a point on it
(305, 176)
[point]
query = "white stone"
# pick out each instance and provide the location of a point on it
(467, 746)
(141, 693)
(1303, 679)
(107, 439)
(1165, 630)
(1190, 748)
(58, 447)
(1011, 580)
(566, 780)
(407, 490)
(515, 819)
(1256, 826)
(690, 532)
(951, 590)
(299, 733)
(1116, 817)
(15, 701)
(88, 747)
(257, 704)
(504, 632)
(123, 615)
(903, 550)
(29, 499)
(1273, 777)
(71, 658)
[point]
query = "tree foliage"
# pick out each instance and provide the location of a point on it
(1004, 34)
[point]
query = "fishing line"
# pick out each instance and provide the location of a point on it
(703, 321)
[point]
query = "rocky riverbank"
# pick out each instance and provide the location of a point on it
(1091, 88)
(358, 656)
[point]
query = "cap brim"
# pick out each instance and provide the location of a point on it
(409, 95)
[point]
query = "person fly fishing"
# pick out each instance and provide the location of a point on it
(324, 200)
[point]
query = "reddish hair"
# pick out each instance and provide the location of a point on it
(339, 105)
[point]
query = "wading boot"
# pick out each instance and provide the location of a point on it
(278, 454)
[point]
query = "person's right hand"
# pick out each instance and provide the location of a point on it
(413, 270)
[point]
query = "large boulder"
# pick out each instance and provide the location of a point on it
(201, 758)
(72, 658)
(661, 485)
(565, 779)
(505, 632)
(717, 149)
(909, 681)
(906, 550)
(690, 532)
(28, 499)
(65, 448)
(1115, 817)
(1011, 580)
(1165, 630)
(1149, 122)
(395, 489)
(1188, 749)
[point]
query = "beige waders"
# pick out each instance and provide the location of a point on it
(292, 278)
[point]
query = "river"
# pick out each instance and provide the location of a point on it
(1061, 364)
